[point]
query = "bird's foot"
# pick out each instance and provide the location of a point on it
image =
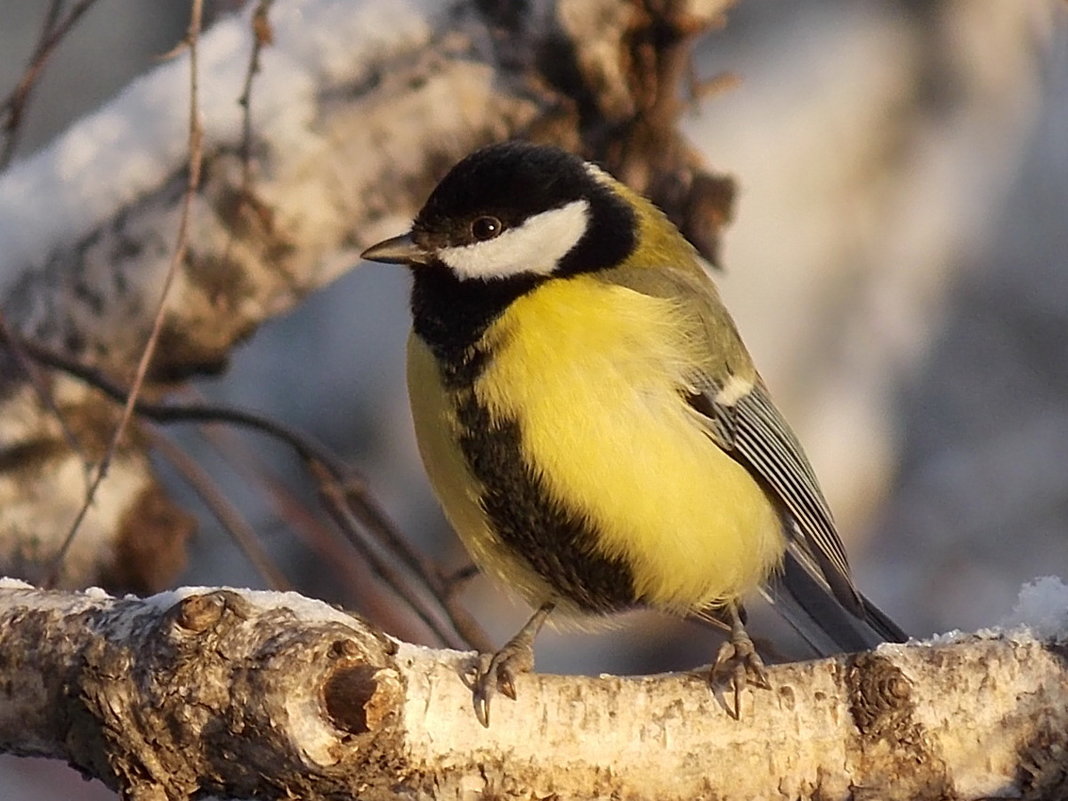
(739, 661)
(498, 673)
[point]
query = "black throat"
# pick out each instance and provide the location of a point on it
(451, 315)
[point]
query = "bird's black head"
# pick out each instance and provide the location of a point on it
(502, 221)
(517, 209)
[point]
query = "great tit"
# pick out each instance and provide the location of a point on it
(592, 424)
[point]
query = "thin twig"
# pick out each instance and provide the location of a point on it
(44, 394)
(53, 31)
(351, 518)
(372, 515)
(699, 90)
(289, 508)
(304, 447)
(458, 578)
(177, 257)
(55, 8)
(354, 575)
(222, 509)
(262, 35)
(342, 513)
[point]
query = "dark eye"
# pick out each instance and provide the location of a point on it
(486, 228)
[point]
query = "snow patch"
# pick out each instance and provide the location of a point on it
(136, 141)
(1041, 607)
(307, 609)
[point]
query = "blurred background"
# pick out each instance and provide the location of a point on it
(898, 265)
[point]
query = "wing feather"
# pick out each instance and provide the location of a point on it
(747, 426)
(766, 444)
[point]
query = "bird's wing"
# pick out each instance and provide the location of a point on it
(759, 437)
(737, 412)
(815, 567)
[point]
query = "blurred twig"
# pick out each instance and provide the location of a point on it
(340, 487)
(355, 576)
(444, 588)
(44, 394)
(177, 256)
(262, 35)
(223, 510)
(53, 31)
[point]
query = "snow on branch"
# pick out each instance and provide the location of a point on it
(240, 694)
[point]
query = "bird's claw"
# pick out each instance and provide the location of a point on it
(499, 674)
(738, 659)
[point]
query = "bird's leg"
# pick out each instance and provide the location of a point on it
(517, 656)
(738, 658)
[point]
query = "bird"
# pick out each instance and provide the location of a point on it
(593, 426)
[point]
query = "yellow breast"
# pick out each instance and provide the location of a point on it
(593, 372)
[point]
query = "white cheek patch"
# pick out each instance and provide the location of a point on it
(534, 247)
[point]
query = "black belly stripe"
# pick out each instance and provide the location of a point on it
(554, 540)
(451, 317)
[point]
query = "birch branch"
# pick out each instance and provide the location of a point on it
(267, 695)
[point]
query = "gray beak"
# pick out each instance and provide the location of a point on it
(398, 250)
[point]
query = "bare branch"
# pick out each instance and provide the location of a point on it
(44, 394)
(251, 694)
(262, 35)
(232, 521)
(358, 584)
(53, 31)
(365, 525)
(177, 257)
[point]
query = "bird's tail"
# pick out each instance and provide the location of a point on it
(806, 601)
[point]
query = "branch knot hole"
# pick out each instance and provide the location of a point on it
(349, 698)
